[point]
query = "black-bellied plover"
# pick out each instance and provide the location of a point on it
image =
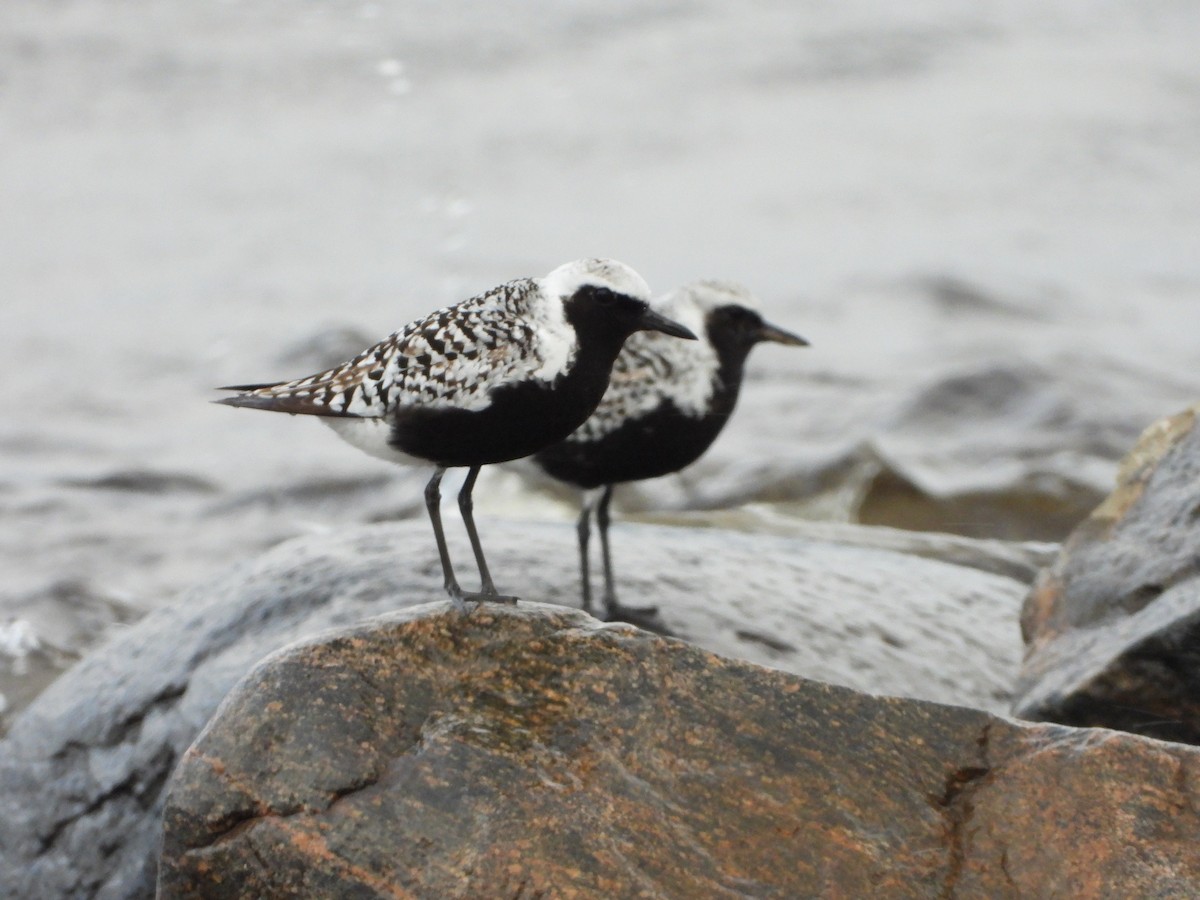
(666, 403)
(491, 379)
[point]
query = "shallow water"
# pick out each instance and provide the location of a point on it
(983, 216)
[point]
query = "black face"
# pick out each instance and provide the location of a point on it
(602, 310)
(594, 300)
(734, 325)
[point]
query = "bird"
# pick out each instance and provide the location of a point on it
(666, 403)
(494, 378)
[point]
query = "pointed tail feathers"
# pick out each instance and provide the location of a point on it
(309, 400)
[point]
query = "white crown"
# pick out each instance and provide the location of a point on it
(690, 304)
(616, 276)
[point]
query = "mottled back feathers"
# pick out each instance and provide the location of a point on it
(454, 357)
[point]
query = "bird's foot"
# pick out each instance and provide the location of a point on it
(491, 596)
(645, 617)
(461, 599)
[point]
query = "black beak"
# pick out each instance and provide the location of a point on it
(776, 335)
(652, 321)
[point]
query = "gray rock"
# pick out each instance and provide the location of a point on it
(1113, 627)
(1020, 560)
(82, 769)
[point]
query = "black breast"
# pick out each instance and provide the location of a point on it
(522, 418)
(659, 443)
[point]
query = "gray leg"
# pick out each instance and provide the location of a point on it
(643, 616)
(433, 501)
(467, 507)
(610, 591)
(583, 529)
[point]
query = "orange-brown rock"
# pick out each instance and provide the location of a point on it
(1113, 627)
(83, 769)
(530, 752)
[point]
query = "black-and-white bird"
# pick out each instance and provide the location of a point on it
(491, 379)
(666, 403)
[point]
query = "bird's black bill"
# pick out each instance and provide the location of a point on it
(776, 335)
(652, 321)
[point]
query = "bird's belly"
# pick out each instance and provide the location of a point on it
(371, 435)
(648, 447)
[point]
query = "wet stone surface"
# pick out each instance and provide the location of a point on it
(530, 752)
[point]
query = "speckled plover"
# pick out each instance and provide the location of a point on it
(666, 403)
(491, 379)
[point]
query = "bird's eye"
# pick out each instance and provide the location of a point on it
(604, 296)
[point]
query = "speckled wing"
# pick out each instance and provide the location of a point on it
(651, 370)
(451, 359)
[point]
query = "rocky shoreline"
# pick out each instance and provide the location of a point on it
(765, 621)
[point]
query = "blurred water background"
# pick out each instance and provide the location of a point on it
(985, 216)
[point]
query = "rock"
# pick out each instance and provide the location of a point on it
(532, 752)
(1113, 627)
(1021, 452)
(82, 768)
(1021, 560)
